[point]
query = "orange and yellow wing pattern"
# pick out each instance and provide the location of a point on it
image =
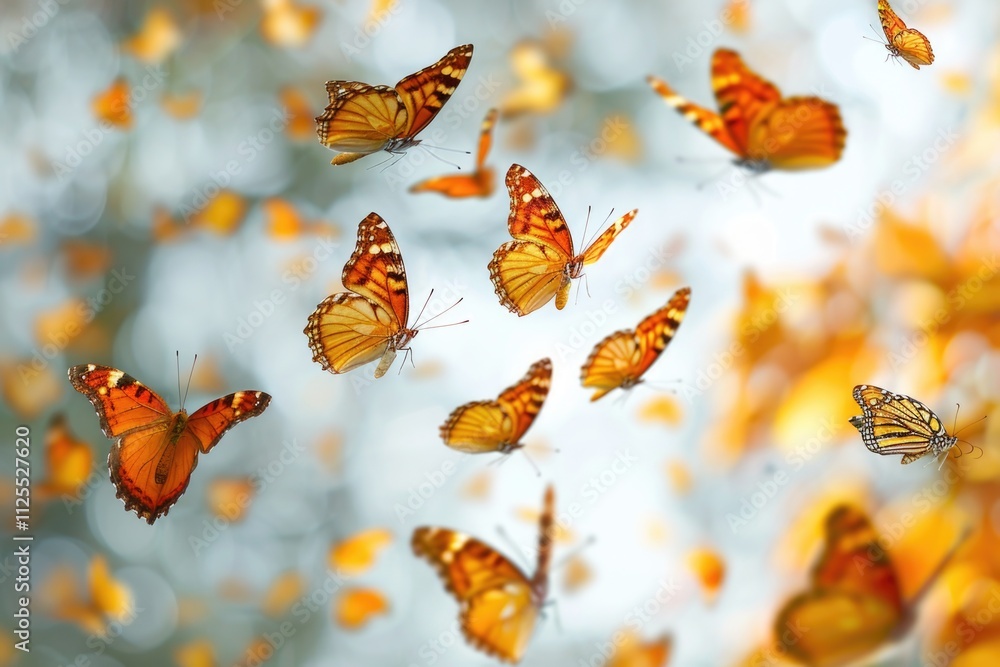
(906, 43)
(362, 119)
(480, 183)
(368, 322)
(540, 263)
(763, 129)
(621, 359)
(854, 602)
(68, 461)
(155, 450)
(635, 653)
(498, 426)
(498, 604)
(897, 424)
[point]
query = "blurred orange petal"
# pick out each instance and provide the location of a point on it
(229, 498)
(298, 113)
(157, 39)
(661, 410)
(287, 24)
(222, 214)
(710, 570)
(112, 105)
(17, 229)
(357, 606)
(357, 553)
(282, 594)
(197, 653)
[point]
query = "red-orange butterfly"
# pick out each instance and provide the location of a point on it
(906, 43)
(620, 360)
(362, 119)
(763, 129)
(540, 263)
(479, 183)
(498, 426)
(368, 322)
(854, 603)
(498, 604)
(155, 449)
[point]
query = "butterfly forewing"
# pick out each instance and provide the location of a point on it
(376, 271)
(425, 92)
(743, 96)
(897, 424)
(480, 183)
(155, 449)
(603, 242)
(534, 214)
(498, 426)
(707, 121)
(798, 133)
(621, 359)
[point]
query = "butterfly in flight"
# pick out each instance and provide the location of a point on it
(897, 424)
(854, 603)
(479, 183)
(498, 426)
(362, 119)
(763, 129)
(155, 449)
(620, 360)
(907, 43)
(498, 604)
(368, 322)
(540, 263)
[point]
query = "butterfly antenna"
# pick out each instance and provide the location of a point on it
(434, 317)
(712, 179)
(532, 462)
(441, 159)
(190, 375)
(379, 164)
(967, 425)
(179, 397)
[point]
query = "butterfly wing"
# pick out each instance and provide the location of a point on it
(497, 608)
(360, 119)
(603, 242)
(707, 121)
(622, 358)
(743, 97)
(489, 426)
(897, 424)
(855, 602)
(797, 133)
(349, 330)
(642, 654)
(213, 420)
(480, 183)
(425, 92)
(123, 404)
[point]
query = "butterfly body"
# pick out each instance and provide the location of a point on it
(620, 360)
(540, 263)
(498, 604)
(498, 426)
(898, 424)
(907, 43)
(155, 450)
(368, 322)
(763, 129)
(362, 119)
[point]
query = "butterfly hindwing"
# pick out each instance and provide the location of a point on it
(155, 449)
(497, 426)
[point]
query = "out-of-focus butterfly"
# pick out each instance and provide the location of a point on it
(498, 604)
(498, 426)
(158, 37)
(113, 105)
(356, 606)
(543, 86)
(68, 461)
(107, 600)
(368, 322)
(480, 183)
(763, 129)
(362, 119)
(287, 24)
(356, 554)
(907, 43)
(854, 603)
(155, 449)
(635, 653)
(540, 263)
(621, 359)
(897, 424)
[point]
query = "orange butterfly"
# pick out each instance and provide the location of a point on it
(498, 426)
(907, 43)
(620, 360)
(498, 604)
(362, 119)
(368, 322)
(634, 653)
(541, 262)
(763, 129)
(855, 601)
(479, 183)
(68, 461)
(155, 450)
